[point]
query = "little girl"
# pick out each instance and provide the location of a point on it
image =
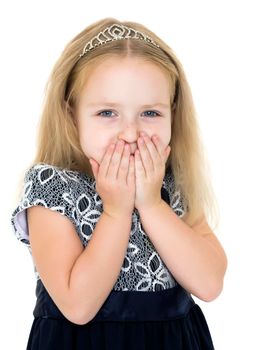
(113, 207)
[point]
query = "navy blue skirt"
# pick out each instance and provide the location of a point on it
(128, 320)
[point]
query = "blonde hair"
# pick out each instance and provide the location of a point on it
(57, 138)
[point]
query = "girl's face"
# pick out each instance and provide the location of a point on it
(121, 98)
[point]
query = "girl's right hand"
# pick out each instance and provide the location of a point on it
(115, 180)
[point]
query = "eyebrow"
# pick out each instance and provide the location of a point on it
(111, 104)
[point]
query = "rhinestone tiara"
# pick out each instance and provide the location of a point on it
(115, 32)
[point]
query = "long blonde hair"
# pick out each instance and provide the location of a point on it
(57, 137)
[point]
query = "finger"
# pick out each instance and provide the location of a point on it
(145, 156)
(124, 164)
(104, 164)
(153, 151)
(115, 160)
(160, 148)
(131, 172)
(139, 168)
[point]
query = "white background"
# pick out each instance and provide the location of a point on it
(230, 52)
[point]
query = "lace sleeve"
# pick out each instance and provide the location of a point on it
(46, 186)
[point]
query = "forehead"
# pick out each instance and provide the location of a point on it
(124, 77)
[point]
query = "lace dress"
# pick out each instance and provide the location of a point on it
(146, 309)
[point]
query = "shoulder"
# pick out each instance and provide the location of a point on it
(47, 173)
(45, 183)
(43, 177)
(50, 186)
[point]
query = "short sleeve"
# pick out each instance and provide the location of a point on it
(43, 185)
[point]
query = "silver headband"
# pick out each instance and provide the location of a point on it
(115, 32)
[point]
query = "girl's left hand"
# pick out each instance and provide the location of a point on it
(150, 159)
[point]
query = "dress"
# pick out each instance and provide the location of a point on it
(146, 309)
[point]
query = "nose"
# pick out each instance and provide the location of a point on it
(129, 134)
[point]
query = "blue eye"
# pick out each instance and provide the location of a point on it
(107, 113)
(104, 112)
(157, 114)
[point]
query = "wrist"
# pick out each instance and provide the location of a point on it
(152, 207)
(118, 215)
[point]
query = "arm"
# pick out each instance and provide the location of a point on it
(96, 270)
(78, 280)
(196, 260)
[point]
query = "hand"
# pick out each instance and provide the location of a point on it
(150, 162)
(115, 180)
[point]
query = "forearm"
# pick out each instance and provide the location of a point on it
(97, 268)
(197, 264)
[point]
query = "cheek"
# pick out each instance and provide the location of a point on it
(163, 131)
(94, 145)
(164, 136)
(88, 142)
